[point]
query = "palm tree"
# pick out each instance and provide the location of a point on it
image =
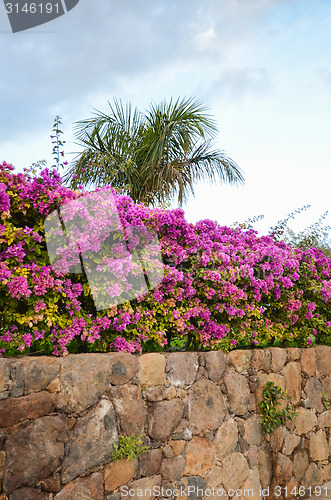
(152, 157)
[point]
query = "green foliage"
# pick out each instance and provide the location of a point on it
(325, 400)
(129, 447)
(150, 157)
(269, 410)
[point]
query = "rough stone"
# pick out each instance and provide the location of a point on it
(206, 406)
(173, 468)
(290, 443)
(213, 478)
(305, 421)
(4, 377)
(182, 368)
(90, 487)
(313, 390)
(124, 369)
(324, 420)
(84, 378)
(151, 369)
(282, 469)
(150, 462)
(253, 430)
(177, 446)
(327, 387)
(215, 364)
(153, 393)
(34, 452)
(312, 476)
(308, 362)
(91, 442)
(278, 358)
(251, 486)
(277, 438)
(200, 456)
(292, 373)
(226, 439)
(261, 360)
(143, 488)
(28, 494)
(265, 466)
(163, 418)
(15, 410)
(17, 382)
(323, 356)
(119, 473)
(318, 446)
(131, 411)
(238, 392)
(40, 372)
(293, 353)
(234, 471)
(240, 360)
(300, 464)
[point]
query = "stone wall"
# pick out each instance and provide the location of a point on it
(60, 417)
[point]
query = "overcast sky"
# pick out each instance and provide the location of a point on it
(263, 67)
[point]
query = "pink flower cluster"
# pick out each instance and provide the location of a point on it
(223, 287)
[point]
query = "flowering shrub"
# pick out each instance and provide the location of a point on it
(222, 288)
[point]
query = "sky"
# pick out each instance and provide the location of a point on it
(263, 68)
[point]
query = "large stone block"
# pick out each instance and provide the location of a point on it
(305, 421)
(119, 473)
(200, 456)
(264, 459)
(150, 462)
(124, 368)
(28, 494)
(318, 446)
(238, 392)
(323, 356)
(226, 439)
(131, 410)
(292, 373)
(282, 469)
(151, 369)
(300, 464)
(142, 488)
(92, 440)
(240, 360)
(84, 378)
(290, 443)
(173, 468)
(90, 487)
(15, 410)
(313, 390)
(39, 372)
(181, 368)
(215, 364)
(163, 418)
(234, 471)
(34, 452)
(206, 406)
(253, 430)
(278, 358)
(251, 487)
(308, 362)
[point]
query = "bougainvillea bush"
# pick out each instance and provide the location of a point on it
(223, 287)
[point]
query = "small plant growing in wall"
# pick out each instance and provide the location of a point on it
(269, 410)
(326, 401)
(129, 447)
